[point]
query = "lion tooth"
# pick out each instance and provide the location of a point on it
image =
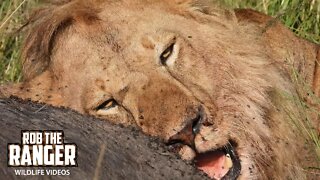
(187, 153)
(228, 162)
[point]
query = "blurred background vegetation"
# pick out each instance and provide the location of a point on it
(301, 16)
(13, 13)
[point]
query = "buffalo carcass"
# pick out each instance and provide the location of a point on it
(105, 151)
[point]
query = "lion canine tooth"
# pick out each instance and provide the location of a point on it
(228, 162)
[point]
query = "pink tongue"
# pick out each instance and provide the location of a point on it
(212, 164)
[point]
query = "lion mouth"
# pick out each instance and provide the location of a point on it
(222, 163)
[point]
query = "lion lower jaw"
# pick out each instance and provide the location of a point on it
(217, 164)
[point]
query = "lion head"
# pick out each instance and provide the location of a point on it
(189, 72)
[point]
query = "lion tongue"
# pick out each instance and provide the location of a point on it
(213, 164)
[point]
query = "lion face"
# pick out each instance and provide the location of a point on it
(177, 70)
(154, 72)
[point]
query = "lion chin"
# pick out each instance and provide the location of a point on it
(215, 84)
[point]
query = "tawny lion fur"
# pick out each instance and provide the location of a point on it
(235, 66)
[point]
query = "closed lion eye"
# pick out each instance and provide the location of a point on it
(107, 105)
(165, 55)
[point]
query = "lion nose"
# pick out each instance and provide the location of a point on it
(187, 134)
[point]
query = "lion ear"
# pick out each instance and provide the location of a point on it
(44, 26)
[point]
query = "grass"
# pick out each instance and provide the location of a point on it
(12, 15)
(301, 16)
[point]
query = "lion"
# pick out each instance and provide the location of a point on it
(215, 84)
